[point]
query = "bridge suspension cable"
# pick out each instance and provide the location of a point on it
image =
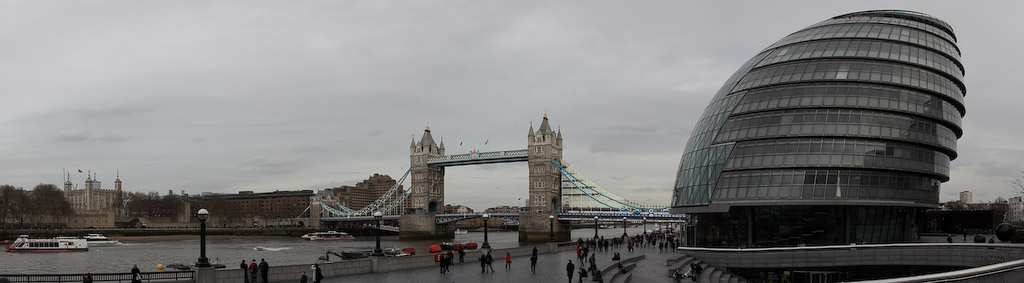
(584, 186)
(386, 203)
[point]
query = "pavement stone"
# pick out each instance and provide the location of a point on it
(550, 268)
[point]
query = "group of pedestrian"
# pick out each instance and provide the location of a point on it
(485, 262)
(447, 259)
(254, 270)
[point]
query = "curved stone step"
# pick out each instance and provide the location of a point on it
(705, 276)
(715, 276)
(680, 266)
(735, 279)
(725, 278)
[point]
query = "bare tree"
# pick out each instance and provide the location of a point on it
(1017, 185)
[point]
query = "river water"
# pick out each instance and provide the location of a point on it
(148, 252)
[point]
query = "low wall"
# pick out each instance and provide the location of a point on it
(292, 273)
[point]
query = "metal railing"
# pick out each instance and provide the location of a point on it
(100, 277)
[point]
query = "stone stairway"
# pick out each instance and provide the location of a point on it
(681, 264)
(611, 271)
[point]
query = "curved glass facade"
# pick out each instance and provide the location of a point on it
(848, 125)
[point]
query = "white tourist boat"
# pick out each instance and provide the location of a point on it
(59, 244)
(329, 235)
(461, 232)
(100, 240)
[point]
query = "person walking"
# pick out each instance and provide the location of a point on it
(318, 276)
(303, 278)
(569, 270)
(462, 254)
(533, 263)
(593, 263)
(490, 261)
(508, 261)
(136, 274)
(583, 274)
(87, 278)
(245, 275)
(444, 262)
(264, 268)
(254, 271)
(451, 260)
(483, 263)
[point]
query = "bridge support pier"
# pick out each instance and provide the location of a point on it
(424, 227)
(536, 227)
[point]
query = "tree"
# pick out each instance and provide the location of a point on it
(1017, 185)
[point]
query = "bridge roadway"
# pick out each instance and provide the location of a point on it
(514, 217)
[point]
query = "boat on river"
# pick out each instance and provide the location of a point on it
(329, 235)
(461, 231)
(100, 240)
(59, 244)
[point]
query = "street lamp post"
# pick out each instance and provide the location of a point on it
(377, 251)
(645, 225)
(486, 245)
(624, 227)
(551, 223)
(651, 216)
(203, 261)
(595, 227)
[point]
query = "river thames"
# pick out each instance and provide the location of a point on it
(148, 252)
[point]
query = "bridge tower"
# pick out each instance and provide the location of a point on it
(427, 197)
(545, 186)
(427, 181)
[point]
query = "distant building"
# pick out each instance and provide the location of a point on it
(93, 198)
(458, 208)
(366, 192)
(93, 206)
(966, 197)
(1015, 210)
(508, 209)
(246, 207)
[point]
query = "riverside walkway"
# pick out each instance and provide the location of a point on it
(550, 268)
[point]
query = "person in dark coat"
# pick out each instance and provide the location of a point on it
(490, 261)
(87, 278)
(583, 273)
(483, 263)
(264, 268)
(462, 255)
(318, 277)
(245, 268)
(533, 263)
(303, 278)
(569, 269)
(136, 274)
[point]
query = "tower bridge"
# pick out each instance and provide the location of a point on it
(554, 188)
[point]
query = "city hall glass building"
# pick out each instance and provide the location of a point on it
(841, 132)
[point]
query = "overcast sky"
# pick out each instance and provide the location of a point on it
(279, 95)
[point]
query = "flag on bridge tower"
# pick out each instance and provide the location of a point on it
(485, 142)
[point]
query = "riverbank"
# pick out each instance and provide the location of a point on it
(12, 234)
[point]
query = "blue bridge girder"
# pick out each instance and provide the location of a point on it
(653, 217)
(513, 218)
(475, 158)
(510, 218)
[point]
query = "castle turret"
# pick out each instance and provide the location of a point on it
(117, 182)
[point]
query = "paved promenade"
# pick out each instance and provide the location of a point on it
(550, 268)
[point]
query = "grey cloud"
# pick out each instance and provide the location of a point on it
(73, 137)
(301, 95)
